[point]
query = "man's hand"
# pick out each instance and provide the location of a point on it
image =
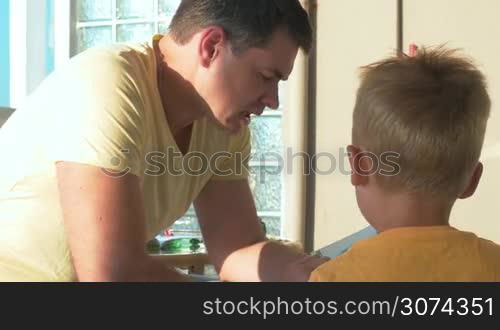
(235, 241)
(300, 270)
(294, 265)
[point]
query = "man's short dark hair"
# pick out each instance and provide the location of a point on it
(247, 23)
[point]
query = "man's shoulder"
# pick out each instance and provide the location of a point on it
(114, 58)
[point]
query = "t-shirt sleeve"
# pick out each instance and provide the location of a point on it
(235, 165)
(100, 119)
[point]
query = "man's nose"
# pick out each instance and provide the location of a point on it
(271, 98)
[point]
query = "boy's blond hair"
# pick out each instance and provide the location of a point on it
(432, 110)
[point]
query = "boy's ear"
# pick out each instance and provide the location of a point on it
(473, 182)
(357, 177)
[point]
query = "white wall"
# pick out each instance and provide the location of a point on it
(351, 33)
(473, 26)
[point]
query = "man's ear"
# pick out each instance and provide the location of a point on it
(473, 182)
(355, 159)
(211, 42)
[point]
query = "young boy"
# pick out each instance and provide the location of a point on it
(421, 121)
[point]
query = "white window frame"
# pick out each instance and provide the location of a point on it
(295, 138)
(27, 48)
(64, 31)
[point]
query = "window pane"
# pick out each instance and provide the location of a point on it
(266, 138)
(134, 32)
(168, 7)
(188, 224)
(265, 182)
(94, 10)
(273, 225)
(134, 9)
(281, 93)
(163, 26)
(93, 36)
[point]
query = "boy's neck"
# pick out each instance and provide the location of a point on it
(405, 210)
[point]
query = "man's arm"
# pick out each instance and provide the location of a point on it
(235, 240)
(105, 224)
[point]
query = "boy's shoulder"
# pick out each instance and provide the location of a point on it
(490, 249)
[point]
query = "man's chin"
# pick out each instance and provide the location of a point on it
(231, 127)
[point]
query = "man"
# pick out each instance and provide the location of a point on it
(99, 153)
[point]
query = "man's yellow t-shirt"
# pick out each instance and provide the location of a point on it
(102, 109)
(416, 254)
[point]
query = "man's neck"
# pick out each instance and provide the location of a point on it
(181, 102)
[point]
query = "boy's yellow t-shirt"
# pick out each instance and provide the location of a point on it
(102, 109)
(416, 254)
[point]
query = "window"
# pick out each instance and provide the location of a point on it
(99, 22)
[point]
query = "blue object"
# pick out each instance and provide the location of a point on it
(340, 247)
